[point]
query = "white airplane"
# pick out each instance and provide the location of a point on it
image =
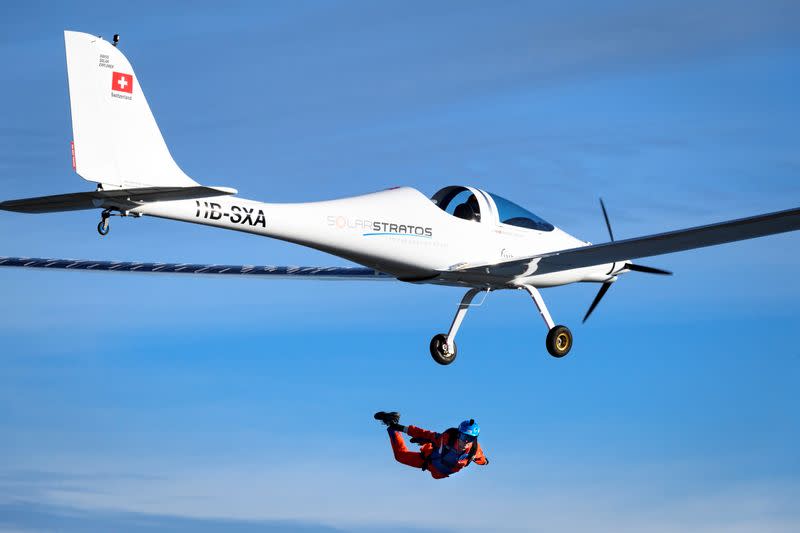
(461, 236)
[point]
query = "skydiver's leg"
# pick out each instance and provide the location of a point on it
(401, 452)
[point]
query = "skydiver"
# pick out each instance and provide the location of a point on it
(442, 454)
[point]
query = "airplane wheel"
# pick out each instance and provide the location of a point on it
(440, 352)
(103, 227)
(559, 341)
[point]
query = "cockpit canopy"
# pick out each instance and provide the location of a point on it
(510, 213)
(479, 206)
(461, 202)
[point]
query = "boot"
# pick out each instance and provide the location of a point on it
(390, 419)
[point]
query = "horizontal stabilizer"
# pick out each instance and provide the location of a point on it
(116, 198)
(647, 246)
(263, 271)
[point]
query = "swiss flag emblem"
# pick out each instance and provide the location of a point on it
(122, 82)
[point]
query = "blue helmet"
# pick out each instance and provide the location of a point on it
(469, 427)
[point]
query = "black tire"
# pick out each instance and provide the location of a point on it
(439, 350)
(559, 341)
(103, 227)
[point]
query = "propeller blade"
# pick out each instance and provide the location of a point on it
(647, 269)
(597, 298)
(605, 215)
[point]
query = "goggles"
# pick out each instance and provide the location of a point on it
(463, 437)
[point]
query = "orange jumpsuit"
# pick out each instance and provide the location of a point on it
(422, 457)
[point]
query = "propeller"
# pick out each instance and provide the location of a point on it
(608, 224)
(630, 266)
(603, 288)
(647, 269)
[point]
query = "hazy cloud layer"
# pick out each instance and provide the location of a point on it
(36, 517)
(562, 497)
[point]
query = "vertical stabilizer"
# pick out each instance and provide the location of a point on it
(116, 139)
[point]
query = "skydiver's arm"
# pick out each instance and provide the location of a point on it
(423, 434)
(479, 458)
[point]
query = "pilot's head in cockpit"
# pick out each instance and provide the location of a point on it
(469, 210)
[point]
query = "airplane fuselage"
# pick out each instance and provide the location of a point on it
(375, 229)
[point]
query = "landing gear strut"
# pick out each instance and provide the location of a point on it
(103, 227)
(443, 347)
(559, 338)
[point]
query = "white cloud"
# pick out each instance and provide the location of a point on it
(373, 490)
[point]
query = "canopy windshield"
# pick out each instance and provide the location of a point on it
(514, 215)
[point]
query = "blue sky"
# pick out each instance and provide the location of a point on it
(135, 402)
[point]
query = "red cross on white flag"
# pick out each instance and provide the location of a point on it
(121, 82)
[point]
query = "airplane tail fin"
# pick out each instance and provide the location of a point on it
(117, 142)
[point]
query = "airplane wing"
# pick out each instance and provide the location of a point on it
(661, 243)
(119, 198)
(291, 272)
